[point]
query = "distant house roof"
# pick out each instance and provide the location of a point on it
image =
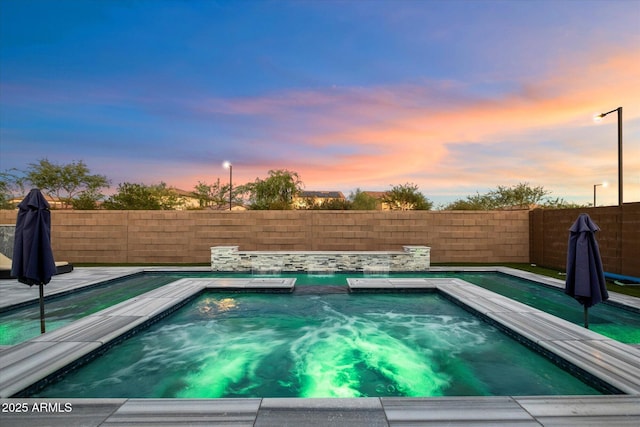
(376, 194)
(526, 206)
(183, 193)
(234, 207)
(54, 202)
(323, 194)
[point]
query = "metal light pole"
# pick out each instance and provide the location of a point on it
(229, 166)
(604, 184)
(600, 116)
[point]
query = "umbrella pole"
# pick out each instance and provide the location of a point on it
(41, 308)
(586, 317)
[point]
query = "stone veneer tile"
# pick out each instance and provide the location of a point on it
(228, 258)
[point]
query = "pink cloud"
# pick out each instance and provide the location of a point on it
(394, 134)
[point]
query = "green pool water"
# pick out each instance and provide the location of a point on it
(611, 321)
(19, 325)
(224, 345)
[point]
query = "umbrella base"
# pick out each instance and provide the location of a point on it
(586, 317)
(42, 328)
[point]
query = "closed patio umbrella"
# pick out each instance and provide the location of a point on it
(585, 275)
(33, 262)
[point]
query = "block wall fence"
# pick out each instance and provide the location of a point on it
(618, 238)
(187, 236)
(539, 236)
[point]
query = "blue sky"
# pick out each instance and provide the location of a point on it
(457, 97)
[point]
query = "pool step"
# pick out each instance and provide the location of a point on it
(383, 283)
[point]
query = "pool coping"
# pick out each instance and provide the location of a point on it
(15, 293)
(614, 362)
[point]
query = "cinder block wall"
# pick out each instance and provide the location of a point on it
(618, 238)
(187, 236)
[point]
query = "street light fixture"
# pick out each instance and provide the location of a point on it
(599, 117)
(228, 165)
(604, 184)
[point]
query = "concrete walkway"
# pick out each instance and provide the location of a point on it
(23, 364)
(578, 411)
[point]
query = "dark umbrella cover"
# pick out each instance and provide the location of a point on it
(585, 275)
(33, 261)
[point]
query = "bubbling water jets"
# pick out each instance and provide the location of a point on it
(228, 361)
(437, 332)
(322, 366)
(413, 371)
(330, 357)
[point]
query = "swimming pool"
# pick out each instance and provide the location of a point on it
(25, 368)
(321, 343)
(21, 324)
(613, 321)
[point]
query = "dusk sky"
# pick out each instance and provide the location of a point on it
(457, 97)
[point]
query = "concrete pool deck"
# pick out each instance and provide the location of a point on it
(23, 364)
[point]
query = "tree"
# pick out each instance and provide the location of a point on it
(142, 197)
(362, 201)
(477, 202)
(275, 192)
(12, 185)
(87, 200)
(406, 197)
(5, 195)
(66, 182)
(520, 196)
(559, 203)
(312, 204)
(214, 195)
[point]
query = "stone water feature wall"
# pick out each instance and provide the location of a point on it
(7, 232)
(228, 258)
